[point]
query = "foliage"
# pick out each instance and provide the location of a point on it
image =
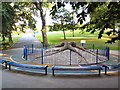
(62, 20)
(8, 20)
(24, 11)
(55, 27)
(106, 19)
(17, 13)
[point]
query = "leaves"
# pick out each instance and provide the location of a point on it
(100, 34)
(93, 31)
(103, 15)
(108, 33)
(78, 15)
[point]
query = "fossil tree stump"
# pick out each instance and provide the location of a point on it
(71, 46)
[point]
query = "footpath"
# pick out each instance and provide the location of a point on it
(16, 51)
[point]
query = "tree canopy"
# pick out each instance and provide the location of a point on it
(103, 15)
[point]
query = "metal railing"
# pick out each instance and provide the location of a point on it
(67, 57)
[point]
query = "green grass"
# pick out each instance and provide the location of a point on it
(14, 38)
(57, 38)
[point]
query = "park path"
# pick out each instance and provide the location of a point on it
(27, 39)
(17, 49)
(21, 80)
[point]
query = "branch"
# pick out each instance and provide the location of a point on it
(36, 4)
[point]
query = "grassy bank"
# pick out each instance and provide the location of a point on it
(7, 43)
(57, 38)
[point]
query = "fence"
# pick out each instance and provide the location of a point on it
(27, 50)
(67, 57)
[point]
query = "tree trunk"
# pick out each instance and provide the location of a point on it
(113, 29)
(44, 35)
(10, 38)
(3, 36)
(64, 34)
(73, 33)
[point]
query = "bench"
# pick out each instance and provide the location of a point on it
(77, 68)
(110, 67)
(28, 66)
(4, 61)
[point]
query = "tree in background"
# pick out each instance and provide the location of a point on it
(19, 12)
(104, 17)
(8, 20)
(62, 17)
(108, 19)
(55, 27)
(73, 24)
(41, 7)
(25, 12)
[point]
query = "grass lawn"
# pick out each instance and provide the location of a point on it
(14, 38)
(57, 38)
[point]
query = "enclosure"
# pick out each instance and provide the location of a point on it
(66, 57)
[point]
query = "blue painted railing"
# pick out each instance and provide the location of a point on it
(27, 50)
(30, 49)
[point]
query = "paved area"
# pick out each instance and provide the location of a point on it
(21, 80)
(15, 79)
(27, 40)
(115, 52)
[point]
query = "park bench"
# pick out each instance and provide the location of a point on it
(99, 68)
(4, 61)
(28, 66)
(110, 67)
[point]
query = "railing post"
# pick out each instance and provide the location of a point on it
(93, 47)
(28, 50)
(104, 52)
(70, 57)
(97, 56)
(108, 52)
(32, 48)
(26, 54)
(82, 44)
(46, 46)
(42, 55)
(24, 51)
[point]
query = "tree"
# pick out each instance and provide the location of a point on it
(12, 14)
(8, 20)
(62, 17)
(105, 16)
(25, 12)
(73, 24)
(89, 8)
(55, 27)
(40, 6)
